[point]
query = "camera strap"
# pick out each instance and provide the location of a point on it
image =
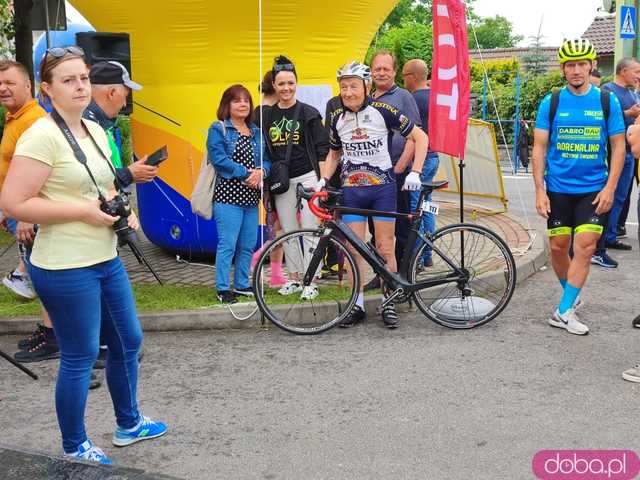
(77, 151)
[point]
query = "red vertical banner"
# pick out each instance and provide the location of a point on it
(450, 85)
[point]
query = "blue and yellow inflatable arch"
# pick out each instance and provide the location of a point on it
(186, 52)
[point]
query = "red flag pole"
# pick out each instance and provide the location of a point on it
(450, 86)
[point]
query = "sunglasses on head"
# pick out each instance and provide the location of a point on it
(59, 52)
(283, 67)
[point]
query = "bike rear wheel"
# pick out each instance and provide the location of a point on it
(333, 292)
(482, 293)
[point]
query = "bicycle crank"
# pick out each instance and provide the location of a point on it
(399, 293)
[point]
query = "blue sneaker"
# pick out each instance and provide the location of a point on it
(604, 260)
(145, 430)
(88, 451)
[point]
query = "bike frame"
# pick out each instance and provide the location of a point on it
(394, 281)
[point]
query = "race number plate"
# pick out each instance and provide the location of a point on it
(430, 207)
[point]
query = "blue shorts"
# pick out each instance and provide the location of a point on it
(370, 197)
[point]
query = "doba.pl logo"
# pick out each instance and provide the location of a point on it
(586, 465)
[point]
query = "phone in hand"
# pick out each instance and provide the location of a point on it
(157, 157)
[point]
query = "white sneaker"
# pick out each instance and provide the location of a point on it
(19, 284)
(290, 287)
(88, 451)
(569, 321)
(309, 293)
(632, 375)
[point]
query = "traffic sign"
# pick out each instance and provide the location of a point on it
(628, 22)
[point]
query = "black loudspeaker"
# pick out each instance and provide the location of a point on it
(57, 15)
(102, 47)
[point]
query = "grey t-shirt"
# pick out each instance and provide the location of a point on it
(403, 101)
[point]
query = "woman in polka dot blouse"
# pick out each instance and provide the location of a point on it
(237, 152)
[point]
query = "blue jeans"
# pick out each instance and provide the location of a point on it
(622, 190)
(82, 304)
(429, 169)
(237, 235)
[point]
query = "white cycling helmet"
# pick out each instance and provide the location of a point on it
(354, 69)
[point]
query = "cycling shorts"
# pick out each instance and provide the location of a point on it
(574, 213)
(370, 197)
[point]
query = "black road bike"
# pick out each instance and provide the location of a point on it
(471, 281)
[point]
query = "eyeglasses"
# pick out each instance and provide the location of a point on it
(59, 52)
(286, 67)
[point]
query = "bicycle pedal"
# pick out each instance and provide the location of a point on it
(396, 293)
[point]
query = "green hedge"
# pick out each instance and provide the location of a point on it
(502, 78)
(124, 124)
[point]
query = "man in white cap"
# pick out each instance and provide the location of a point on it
(110, 86)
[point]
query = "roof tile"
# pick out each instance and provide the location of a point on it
(602, 33)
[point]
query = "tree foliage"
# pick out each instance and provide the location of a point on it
(408, 32)
(493, 32)
(502, 85)
(7, 31)
(408, 11)
(534, 61)
(406, 42)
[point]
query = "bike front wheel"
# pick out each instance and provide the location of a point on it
(480, 293)
(324, 301)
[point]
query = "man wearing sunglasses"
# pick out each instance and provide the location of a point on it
(110, 86)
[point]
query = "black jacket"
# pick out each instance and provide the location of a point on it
(315, 135)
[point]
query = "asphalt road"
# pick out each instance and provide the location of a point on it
(419, 402)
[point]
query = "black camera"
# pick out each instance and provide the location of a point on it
(119, 206)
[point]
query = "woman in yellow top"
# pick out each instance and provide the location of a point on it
(74, 265)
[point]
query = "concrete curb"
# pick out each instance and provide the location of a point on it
(221, 318)
(18, 463)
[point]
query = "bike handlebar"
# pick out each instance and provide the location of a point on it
(315, 209)
(310, 195)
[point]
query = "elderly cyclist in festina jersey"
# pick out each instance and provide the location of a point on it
(574, 191)
(361, 130)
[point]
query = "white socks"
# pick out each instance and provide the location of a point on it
(360, 300)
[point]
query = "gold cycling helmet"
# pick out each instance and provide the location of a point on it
(574, 50)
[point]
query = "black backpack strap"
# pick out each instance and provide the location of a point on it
(553, 107)
(605, 102)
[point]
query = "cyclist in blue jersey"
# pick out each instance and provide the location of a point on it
(574, 190)
(361, 131)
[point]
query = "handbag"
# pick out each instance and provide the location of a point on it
(202, 195)
(279, 175)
